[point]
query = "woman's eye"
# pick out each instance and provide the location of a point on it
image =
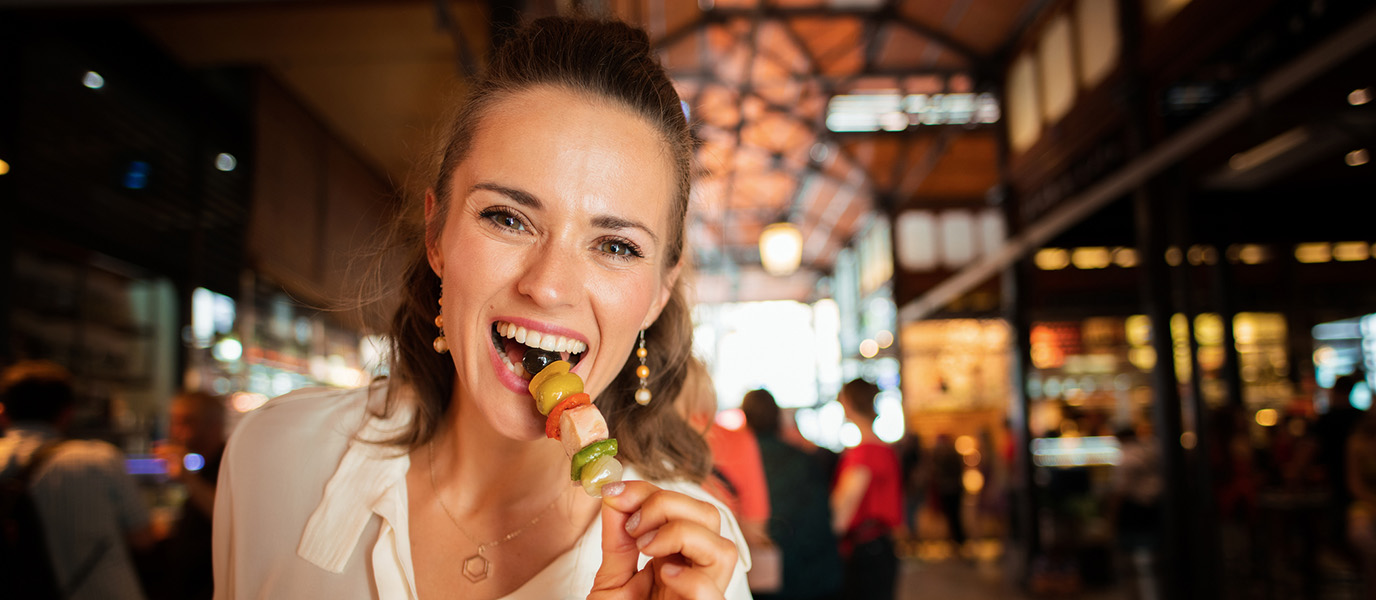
(505, 219)
(618, 248)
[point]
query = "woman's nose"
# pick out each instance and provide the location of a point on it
(553, 278)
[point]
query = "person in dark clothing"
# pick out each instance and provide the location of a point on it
(948, 471)
(93, 520)
(800, 517)
(1333, 429)
(195, 444)
(915, 480)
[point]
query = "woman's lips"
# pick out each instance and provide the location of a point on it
(508, 379)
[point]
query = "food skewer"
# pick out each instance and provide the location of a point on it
(574, 420)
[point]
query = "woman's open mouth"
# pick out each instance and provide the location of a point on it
(513, 342)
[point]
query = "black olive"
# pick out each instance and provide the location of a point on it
(536, 360)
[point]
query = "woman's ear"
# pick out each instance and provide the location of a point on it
(433, 226)
(665, 292)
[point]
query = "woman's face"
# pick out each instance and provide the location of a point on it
(558, 224)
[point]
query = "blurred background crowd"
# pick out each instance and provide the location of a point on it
(1066, 298)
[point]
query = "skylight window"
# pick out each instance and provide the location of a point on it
(891, 111)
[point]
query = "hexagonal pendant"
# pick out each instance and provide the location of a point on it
(476, 568)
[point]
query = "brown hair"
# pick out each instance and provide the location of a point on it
(761, 412)
(602, 60)
(36, 390)
(697, 398)
(860, 397)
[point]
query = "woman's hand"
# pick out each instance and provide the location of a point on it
(689, 557)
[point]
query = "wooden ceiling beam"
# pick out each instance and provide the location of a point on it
(888, 12)
(912, 179)
(872, 26)
(1026, 21)
(975, 59)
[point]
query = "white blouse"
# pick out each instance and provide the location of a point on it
(307, 508)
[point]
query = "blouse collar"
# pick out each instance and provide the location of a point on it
(363, 484)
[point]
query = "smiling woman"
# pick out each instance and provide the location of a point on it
(553, 230)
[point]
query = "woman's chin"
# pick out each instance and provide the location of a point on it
(519, 423)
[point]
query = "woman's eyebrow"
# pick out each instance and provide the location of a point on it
(615, 223)
(529, 200)
(521, 197)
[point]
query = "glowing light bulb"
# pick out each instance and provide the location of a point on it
(781, 248)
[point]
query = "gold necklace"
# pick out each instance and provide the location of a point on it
(477, 567)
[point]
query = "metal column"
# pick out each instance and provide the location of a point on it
(1174, 553)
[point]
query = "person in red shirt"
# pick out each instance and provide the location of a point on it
(867, 500)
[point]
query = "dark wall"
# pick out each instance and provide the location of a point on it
(126, 170)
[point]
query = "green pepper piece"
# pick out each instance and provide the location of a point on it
(592, 452)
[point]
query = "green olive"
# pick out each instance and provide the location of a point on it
(556, 388)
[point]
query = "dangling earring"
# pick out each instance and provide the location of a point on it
(642, 395)
(441, 345)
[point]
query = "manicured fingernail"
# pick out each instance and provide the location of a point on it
(645, 540)
(612, 489)
(633, 522)
(671, 569)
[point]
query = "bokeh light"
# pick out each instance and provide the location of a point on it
(247, 401)
(226, 162)
(850, 435)
(973, 481)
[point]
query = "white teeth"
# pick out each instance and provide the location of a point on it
(543, 341)
(507, 361)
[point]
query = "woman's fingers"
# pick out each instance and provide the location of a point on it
(651, 508)
(685, 582)
(620, 556)
(681, 533)
(705, 550)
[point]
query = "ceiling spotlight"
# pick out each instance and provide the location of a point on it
(226, 162)
(1359, 97)
(93, 80)
(781, 248)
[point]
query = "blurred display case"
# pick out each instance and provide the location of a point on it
(266, 343)
(1346, 346)
(1090, 376)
